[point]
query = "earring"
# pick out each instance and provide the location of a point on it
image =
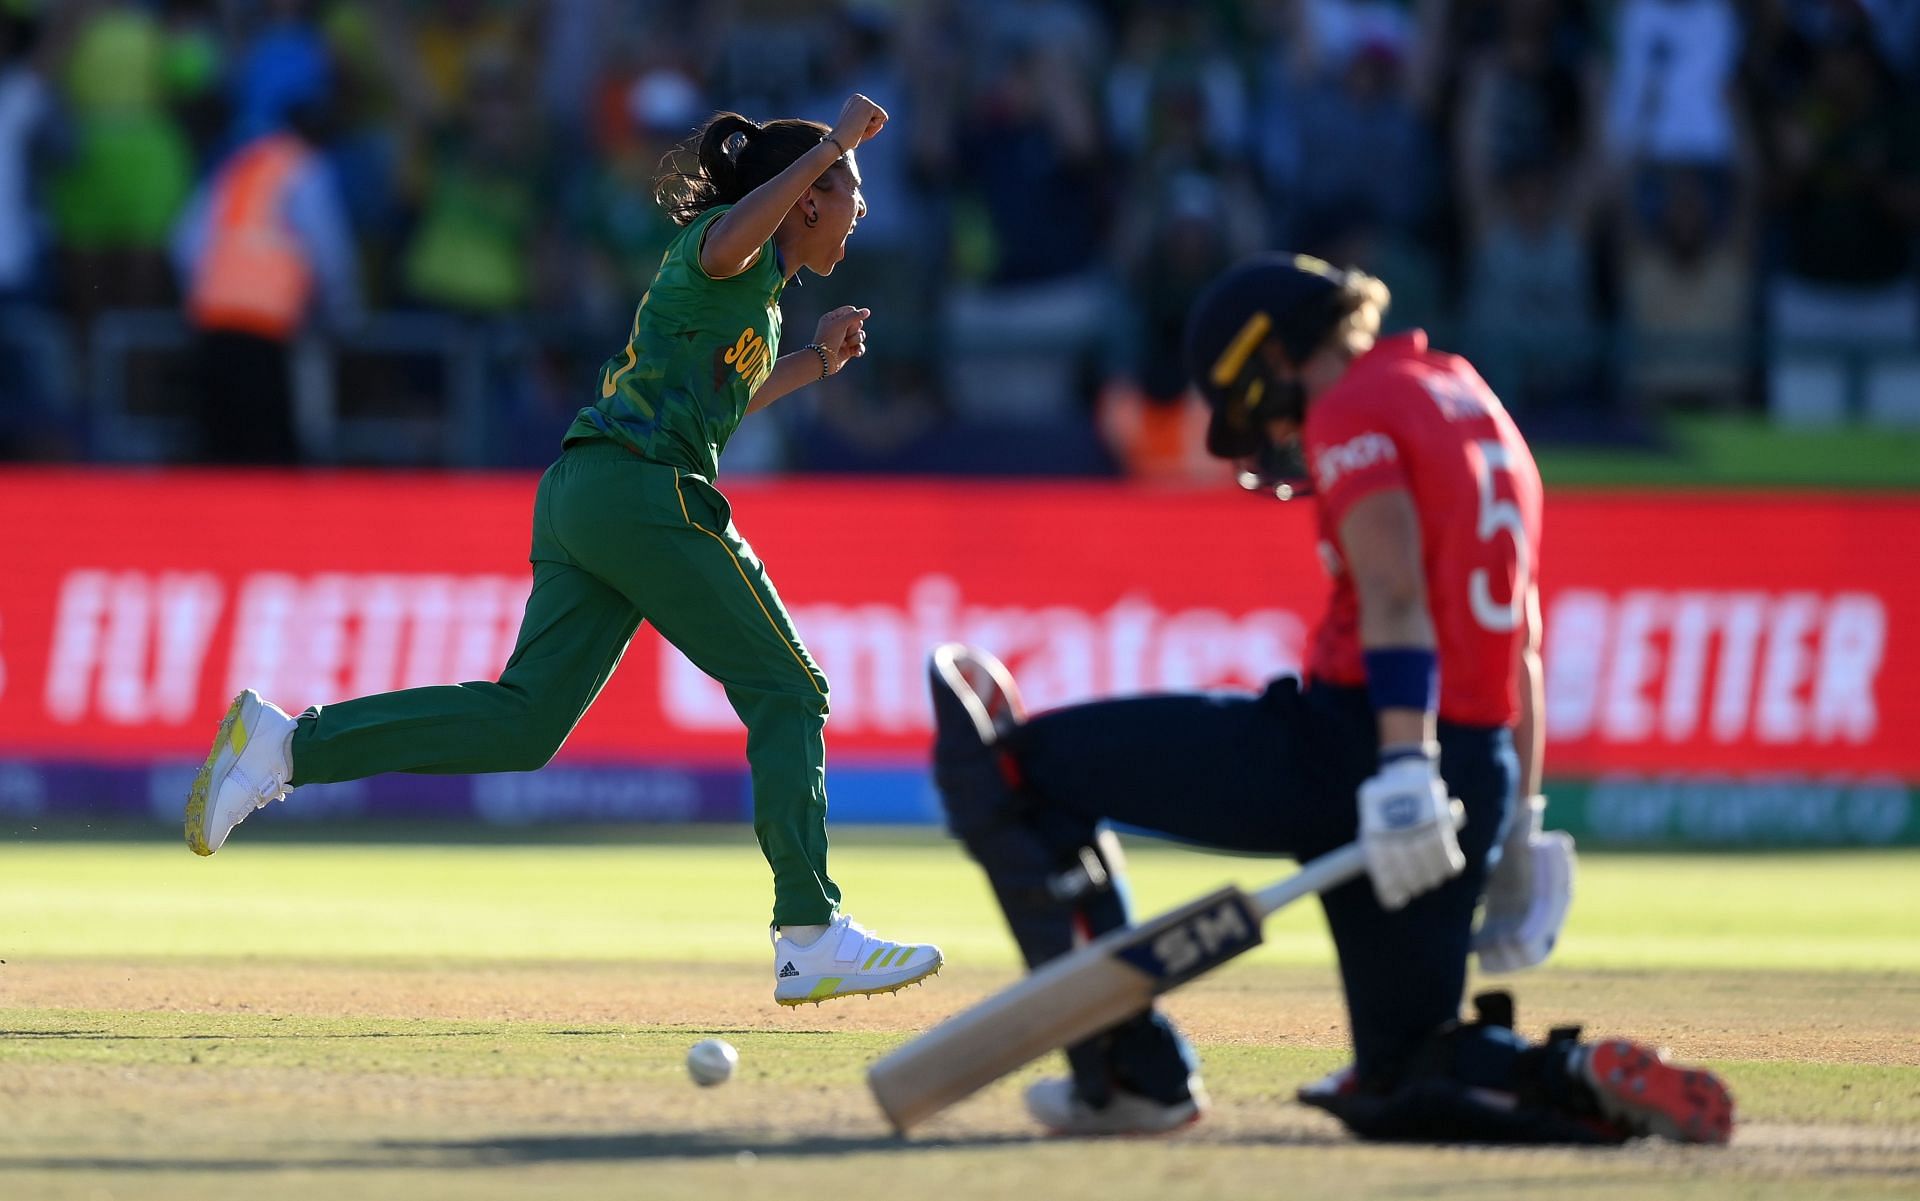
(812, 219)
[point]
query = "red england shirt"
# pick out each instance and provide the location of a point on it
(1404, 416)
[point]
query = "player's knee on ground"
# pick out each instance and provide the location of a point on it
(1474, 1082)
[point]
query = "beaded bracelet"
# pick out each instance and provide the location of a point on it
(826, 362)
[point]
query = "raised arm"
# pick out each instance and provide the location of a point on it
(733, 242)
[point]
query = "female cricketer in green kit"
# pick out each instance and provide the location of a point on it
(628, 526)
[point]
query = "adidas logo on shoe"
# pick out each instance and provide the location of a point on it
(846, 960)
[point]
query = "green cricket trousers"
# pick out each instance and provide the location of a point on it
(618, 540)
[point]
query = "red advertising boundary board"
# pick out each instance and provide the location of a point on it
(1739, 633)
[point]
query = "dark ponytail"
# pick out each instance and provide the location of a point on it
(731, 156)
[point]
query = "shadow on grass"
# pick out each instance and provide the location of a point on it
(533, 1150)
(511, 1151)
(573, 1148)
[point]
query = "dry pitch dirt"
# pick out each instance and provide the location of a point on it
(210, 1080)
(1835, 1018)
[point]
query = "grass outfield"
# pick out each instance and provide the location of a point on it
(1704, 450)
(376, 1021)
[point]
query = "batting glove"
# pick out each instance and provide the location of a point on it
(1406, 826)
(1528, 893)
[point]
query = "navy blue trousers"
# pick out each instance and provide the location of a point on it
(1276, 774)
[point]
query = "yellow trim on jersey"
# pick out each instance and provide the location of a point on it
(612, 383)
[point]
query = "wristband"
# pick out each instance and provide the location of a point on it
(1409, 750)
(836, 144)
(826, 362)
(1403, 677)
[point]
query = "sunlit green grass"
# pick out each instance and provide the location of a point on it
(1746, 451)
(203, 1092)
(702, 900)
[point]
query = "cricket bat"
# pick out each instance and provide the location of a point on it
(1086, 991)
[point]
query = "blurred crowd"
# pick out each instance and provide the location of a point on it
(1617, 208)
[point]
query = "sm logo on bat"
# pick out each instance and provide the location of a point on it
(1193, 939)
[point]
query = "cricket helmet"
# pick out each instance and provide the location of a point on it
(1292, 301)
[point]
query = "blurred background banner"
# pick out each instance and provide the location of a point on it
(1750, 674)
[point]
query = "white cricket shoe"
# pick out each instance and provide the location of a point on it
(848, 960)
(1056, 1105)
(248, 767)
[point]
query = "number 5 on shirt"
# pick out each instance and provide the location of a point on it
(1497, 515)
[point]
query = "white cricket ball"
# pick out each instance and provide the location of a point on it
(711, 1061)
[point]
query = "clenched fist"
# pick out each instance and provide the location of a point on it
(860, 119)
(843, 335)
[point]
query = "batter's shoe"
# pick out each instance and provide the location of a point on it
(1638, 1089)
(248, 767)
(1058, 1106)
(1342, 1081)
(973, 692)
(848, 960)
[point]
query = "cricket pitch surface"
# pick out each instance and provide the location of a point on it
(409, 1020)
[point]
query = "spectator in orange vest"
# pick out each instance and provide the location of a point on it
(264, 249)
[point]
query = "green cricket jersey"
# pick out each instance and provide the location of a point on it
(700, 348)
